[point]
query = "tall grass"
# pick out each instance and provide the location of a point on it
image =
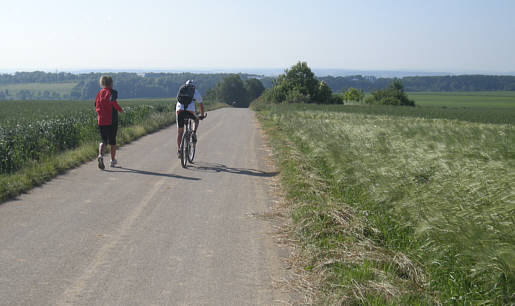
(400, 209)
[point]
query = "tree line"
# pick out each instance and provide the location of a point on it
(163, 85)
(428, 83)
(299, 85)
(233, 91)
(129, 85)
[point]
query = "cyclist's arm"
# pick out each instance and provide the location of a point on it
(201, 109)
(198, 98)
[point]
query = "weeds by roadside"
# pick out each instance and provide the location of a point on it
(393, 210)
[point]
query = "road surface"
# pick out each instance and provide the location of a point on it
(149, 232)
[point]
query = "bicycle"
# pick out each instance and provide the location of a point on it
(188, 146)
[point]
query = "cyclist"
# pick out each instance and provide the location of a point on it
(187, 97)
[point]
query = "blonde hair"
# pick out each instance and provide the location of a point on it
(106, 81)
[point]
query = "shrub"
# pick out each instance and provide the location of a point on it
(392, 95)
(295, 96)
(299, 83)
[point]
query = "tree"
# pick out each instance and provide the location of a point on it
(353, 94)
(323, 93)
(231, 90)
(298, 84)
(300, 77)
(254, 89)
(392, 95)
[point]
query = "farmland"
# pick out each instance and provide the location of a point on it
(478, 99)
(401, 205)
(37, 89)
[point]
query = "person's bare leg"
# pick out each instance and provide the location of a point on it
(180, 131)
(113, 152)
(100, 148)
(196, 125)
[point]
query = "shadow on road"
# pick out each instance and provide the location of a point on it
(213, 167)
(136, 171)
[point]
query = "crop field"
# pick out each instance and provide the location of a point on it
(481, 99)
(29, 111)
(32, 130)
(61, 88)
(393, 205)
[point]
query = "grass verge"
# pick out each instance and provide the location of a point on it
(398, 210)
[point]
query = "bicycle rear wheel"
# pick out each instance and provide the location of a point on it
(184, 150)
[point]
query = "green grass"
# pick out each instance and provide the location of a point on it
(32, 110)
(477, 114)
(399, 209)
(482, 99)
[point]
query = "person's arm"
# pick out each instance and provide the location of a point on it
(201, 110)
(198, 99)
(114, 97)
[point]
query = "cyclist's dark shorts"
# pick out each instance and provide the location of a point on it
(183, 115)
(108, 134)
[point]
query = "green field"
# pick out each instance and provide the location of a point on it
(400, 205)
(63, 89)
(33, 130)
(481, 99)
(29, 111)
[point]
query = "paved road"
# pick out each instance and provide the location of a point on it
(149, 232)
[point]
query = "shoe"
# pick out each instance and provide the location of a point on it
(101, 163)
(194, 137)
(114, 162)
(179, 155)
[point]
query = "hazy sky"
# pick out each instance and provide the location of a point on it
(429, 35)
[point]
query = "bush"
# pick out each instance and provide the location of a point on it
(295, 96)
(299, 84)
(393, 95)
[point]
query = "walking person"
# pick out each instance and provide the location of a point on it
(107, 109)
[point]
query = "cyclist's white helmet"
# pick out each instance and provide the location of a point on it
(190, 82)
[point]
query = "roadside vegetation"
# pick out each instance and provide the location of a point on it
(398, 209)
(397, 205)
(40, 139)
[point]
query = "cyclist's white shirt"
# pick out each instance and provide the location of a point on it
(197, 98)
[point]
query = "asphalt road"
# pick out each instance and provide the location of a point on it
(149, 232)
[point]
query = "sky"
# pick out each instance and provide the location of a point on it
(457, 36)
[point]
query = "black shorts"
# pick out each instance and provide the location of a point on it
(183, 115)
(108, 133)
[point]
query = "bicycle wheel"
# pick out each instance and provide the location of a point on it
(191, 150)
(184, 149)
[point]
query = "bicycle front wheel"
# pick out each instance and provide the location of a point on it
(191, 150)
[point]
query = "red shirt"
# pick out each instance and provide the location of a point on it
(104, 106)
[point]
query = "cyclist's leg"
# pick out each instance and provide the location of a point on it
(194, 117)
(180, 127)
